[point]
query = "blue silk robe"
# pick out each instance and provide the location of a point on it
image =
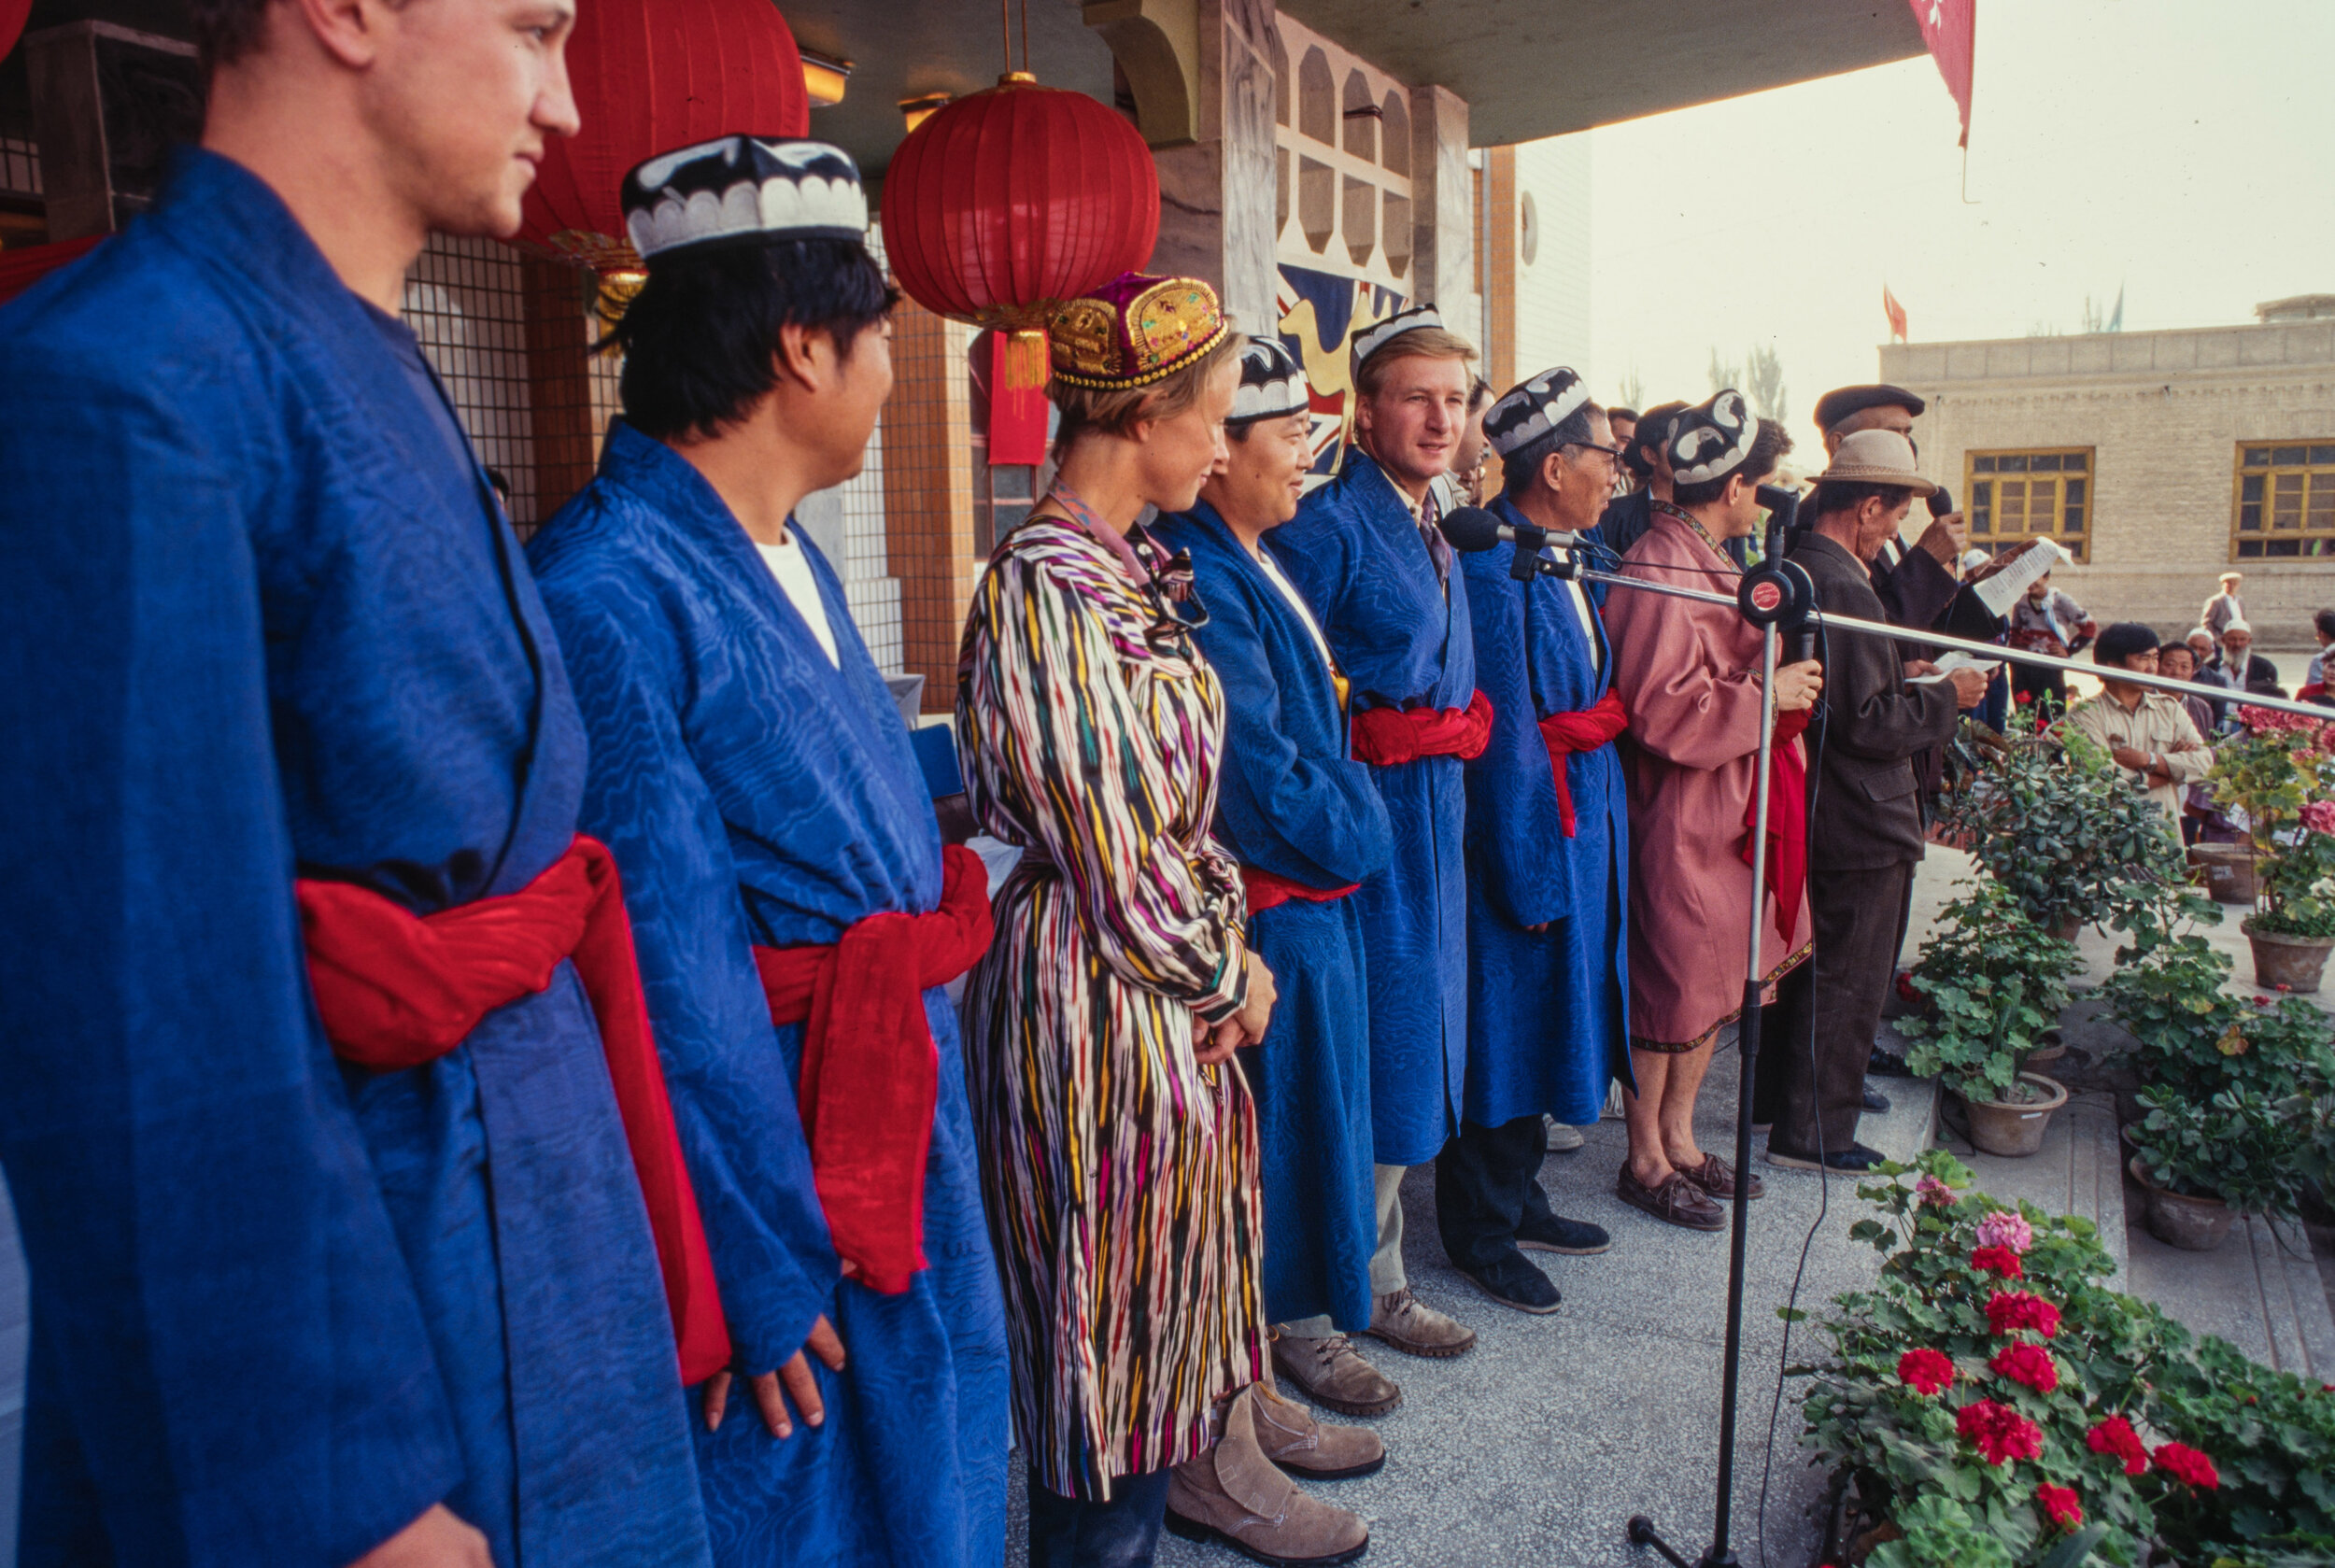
(1547, 1011)
(1403, 640)
(756, 795)
(264, 620)
(1290, 801)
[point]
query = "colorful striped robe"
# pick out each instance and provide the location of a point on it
(1120, 1175)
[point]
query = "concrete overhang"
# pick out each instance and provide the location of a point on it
(1528, 68)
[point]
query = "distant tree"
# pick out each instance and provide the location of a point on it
(1634, 390)
(1766, 388)
(1724, 375)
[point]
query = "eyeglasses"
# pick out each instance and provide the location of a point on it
(1612, 453)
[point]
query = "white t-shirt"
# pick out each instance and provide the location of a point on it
(1289, 592)
(792, 568)
(1560, 543)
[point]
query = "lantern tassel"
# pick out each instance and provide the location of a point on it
(1017, 397)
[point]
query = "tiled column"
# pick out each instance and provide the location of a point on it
(929, 494)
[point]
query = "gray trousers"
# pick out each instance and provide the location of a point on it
(1860, 921)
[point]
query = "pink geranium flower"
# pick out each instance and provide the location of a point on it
(1931, 1191)
(2004, 1227)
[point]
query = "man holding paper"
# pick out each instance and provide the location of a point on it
(1870, 724)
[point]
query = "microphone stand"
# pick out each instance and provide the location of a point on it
(1778, 597)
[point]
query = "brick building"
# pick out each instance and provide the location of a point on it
(2159, 460)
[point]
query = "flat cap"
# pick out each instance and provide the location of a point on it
(1841, 402)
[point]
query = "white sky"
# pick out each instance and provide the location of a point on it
(2183, 151)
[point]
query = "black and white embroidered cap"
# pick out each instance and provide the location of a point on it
(1531, 411)
(1379, 334)
(1273, 383)
(1710, 440)
(744, 188)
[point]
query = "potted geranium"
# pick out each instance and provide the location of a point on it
(1992, 983)
(2280, 774)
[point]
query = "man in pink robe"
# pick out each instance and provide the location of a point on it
(1689, 675)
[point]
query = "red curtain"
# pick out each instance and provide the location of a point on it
(20, 269)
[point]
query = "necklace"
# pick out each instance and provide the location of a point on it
(1695, 523)
(1166, 581)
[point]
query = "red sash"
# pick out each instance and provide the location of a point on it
(1266, 890)
(1564, 734)
(1384, 737)
(1787, 835)
(396, 990)
(871, 1072)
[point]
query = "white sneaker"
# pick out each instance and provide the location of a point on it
(1561, 1139)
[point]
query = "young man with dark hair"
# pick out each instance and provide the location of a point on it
(2147, 733)
(1548, 853)
(1626, 518)
(283, 686)
(796, 915)
(1364, 552)
(1868, 731)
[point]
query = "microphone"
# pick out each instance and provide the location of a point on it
(1941, 501)
(1470, 529)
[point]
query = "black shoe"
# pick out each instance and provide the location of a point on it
(1855, 1159)
(1576, 1238)
(1886, 1063)
(1876, 1101)
(1511, 1281)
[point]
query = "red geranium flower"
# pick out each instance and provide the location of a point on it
(2007, 1310)
(1925, 1371)
(1998, 1432)
(2116, 1438)
(1998, 1260)
(2061, 1504)
(2185, 1463)
(2026, 1363)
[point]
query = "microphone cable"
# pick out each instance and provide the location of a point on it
(1823, 1171)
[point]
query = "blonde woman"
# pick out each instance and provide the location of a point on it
(1119, 1138)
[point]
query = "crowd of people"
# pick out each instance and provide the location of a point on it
(488, 1081)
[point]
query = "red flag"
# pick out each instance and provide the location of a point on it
(1895, 312)
(1946, 29)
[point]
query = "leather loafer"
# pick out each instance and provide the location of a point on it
(1676, 1201)
(1511, 1281)
(1717, 1177)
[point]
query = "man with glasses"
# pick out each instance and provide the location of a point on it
(1548, 853)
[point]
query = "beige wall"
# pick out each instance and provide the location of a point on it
(2165, 412)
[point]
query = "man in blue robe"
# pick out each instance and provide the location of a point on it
(755, 781)
(1308, 826)
(1548, 987)
(267, 623)
(1364, 553)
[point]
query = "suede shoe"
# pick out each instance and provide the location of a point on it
(1416, 1329)
(1575, 1238)
(1855, 1159)
(1330, 1372)
(1293, 1439)
(1235, 1494)
(1513, 1281)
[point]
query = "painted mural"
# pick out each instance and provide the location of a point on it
(1320, 314)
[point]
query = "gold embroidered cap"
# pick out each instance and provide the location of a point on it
(1134, 330)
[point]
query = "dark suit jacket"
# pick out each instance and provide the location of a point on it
(1874, 723)
(1914, 589)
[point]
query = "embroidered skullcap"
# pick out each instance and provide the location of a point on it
(743, 189)
(1134, 330)
(1710, 440)
(1273, 383)
(1525, 414)
(1841, 402)
(1379, 333)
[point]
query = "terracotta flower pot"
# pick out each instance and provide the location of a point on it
(2013, 1128)
(2229, 871)
(2178, 1220)
(2052, 1049)
(2297, 963)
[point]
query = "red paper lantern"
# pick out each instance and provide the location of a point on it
(1005, 202)
(13, 15)
(651, 75)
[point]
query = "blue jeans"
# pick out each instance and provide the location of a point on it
(1123, 1533)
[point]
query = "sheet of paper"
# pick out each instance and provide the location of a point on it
(1955, 659)
(2001, 591)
